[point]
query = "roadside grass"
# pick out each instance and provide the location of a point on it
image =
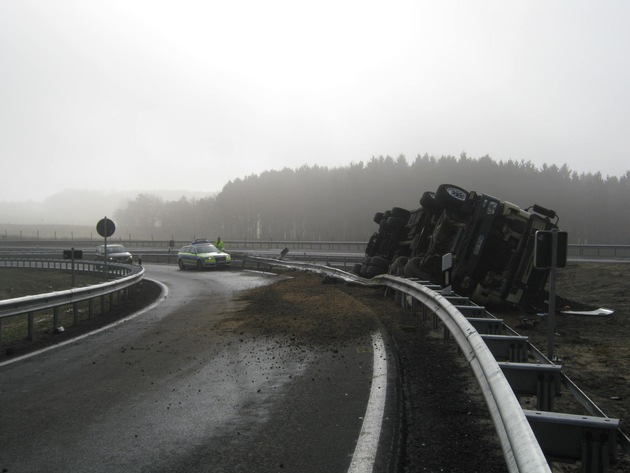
(20, 282)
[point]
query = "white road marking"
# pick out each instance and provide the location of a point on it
(365, 452)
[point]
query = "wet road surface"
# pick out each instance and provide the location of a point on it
(177, 388)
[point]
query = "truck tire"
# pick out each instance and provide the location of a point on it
(372, 271)
(451, 197)
(371, 246)
(427, 201)
(397, 268)
(412, 268)
(379, 261)
(395, 222)
(400, 213)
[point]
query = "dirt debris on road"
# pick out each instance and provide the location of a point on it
(444, 424)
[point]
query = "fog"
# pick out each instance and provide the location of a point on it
(124, 96)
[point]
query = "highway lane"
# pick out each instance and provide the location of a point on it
(181, 388)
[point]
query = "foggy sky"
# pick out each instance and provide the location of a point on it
(148, 94)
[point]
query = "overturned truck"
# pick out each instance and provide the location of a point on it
(492, 243)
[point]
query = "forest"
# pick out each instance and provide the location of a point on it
(320, 203)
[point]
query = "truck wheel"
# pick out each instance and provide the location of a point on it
(398, 266)
(395, 222)
(400, 213)
(451, 197)
(379, 262)
(370, 249)
(412, 268)
(428, 202)
(372, 271)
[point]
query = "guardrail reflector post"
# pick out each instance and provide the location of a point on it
(447, 267)
(31, 325)
(55, 319)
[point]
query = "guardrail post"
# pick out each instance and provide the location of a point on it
(569, 437)
(31, 326)
(75, 313)
(55, 318)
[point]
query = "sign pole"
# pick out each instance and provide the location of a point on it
(551, 319)
(105, 228)
(105, 246)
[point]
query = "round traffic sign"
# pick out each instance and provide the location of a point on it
(105, 227)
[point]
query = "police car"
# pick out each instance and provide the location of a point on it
(202, 256)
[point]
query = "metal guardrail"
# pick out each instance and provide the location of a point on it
(598, 251)
(125, 277)
(574, 249)
(113, 269)
(311, 245)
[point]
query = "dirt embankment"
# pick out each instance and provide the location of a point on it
(593, 350)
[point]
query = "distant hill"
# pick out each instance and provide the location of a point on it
(78, 207)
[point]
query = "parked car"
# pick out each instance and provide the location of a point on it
(115, 253)
(202, 256)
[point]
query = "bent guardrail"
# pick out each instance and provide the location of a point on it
(125, 276)
(520, 446)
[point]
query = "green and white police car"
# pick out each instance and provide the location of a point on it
(202, 256)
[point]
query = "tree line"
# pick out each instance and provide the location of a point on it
(321, 203)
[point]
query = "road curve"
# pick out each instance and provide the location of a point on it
(178, 388)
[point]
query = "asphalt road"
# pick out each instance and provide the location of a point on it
(175, 389)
